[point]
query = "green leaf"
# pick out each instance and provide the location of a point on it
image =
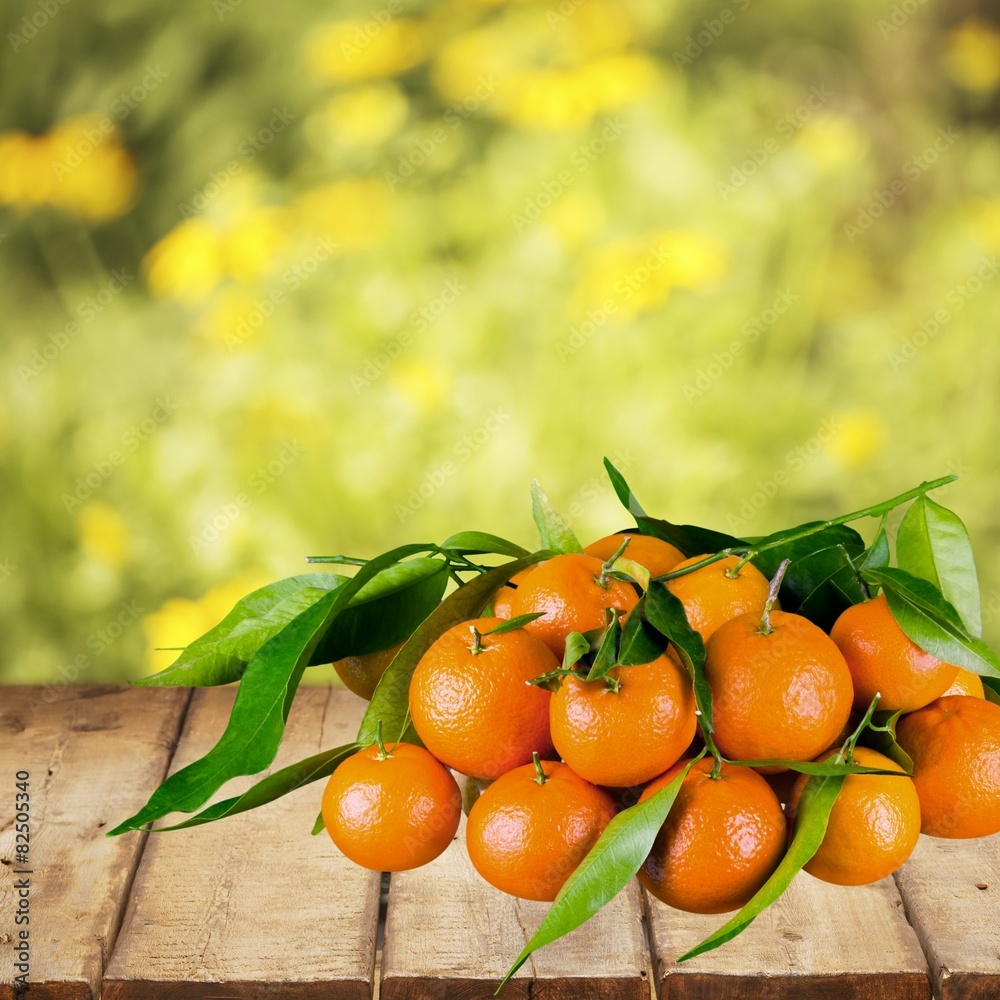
(553, 529)
(390, 702)
(811, 821)
(512, 624)
(823, 768)
(689, 538)
(607, 653)
(577, 646)
(666, 614)
(836, 587)
(640, 642)
(625, 495)
(630, 571)
(319, 826)
(220, 656)
(385, 611)
(876, 556)
(932, 622)
(257, 721)
(991, 688)
(288, 779)
(606, 870)
(472, 543)
(881, 736)
(933, 544)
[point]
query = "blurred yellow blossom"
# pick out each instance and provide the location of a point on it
(230, 322)
(424, 386)
(593, 27)
(576, 217)
(489, 53)
(104, 535)
(833, 142)
(353, 213)
(251, 242)
(859, 436)
(985, 218)
(187, 263)
(180, 621)
(365, 116)
(383, 45)
(972, 57)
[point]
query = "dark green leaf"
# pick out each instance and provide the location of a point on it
(390, 702)
(472, 543)
(625, 495)
(811, 821)
(220, 656)
(991, 688)
(555, 533)
(606, 656)
(512, 624)
(288, 779)
(826, 584)
(689, 538)
(606, 870)
(385, 610)
(932, 622)
(932, 544)
(257, 721)
(881, 736)
(319, 826)
(877, 554)
(640, 642)
(823, 768)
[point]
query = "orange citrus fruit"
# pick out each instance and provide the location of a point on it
(721, 841)
(503, 599)
(874, 824)
(883, 660)
(471, 702)
(361, 674)
(572, 593)
(526, 838)
(785, 694)
(712, 596)
(954, 743)
(967, 683)
(392, 812)
(656, 555)
(627, 729)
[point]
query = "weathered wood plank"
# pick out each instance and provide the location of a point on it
(94, 755)
(951, 889)
(818, 942)
(252, 905)
(450, 934)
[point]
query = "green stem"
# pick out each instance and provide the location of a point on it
(540, 776)
(383, 754)
(337, 560)
(846, 752)
(477, 640)
(765, 627)
(602, 577)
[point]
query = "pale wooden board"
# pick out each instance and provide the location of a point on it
(817, 942)
(94, 754)
(958, 923)
(252, 905)
(450, 934)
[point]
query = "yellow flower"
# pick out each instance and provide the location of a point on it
(859, 437)
(463, 63)
(576, 217)
(697, 260)
(423, 385)
(833, 142)
(593, 27)
(972, 57)
(352, 213)
(104, 535)
(366, 116)
(180, 621)
(364, 50)
(26, 179)
(187, 263)
(252, 241)
(234, 320)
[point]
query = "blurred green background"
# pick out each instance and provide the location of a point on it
(294, 279)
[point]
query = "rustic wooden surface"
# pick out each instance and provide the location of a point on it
(951, 889)
(818, 942)
(94, 754)
(450, 934)
(252, 905)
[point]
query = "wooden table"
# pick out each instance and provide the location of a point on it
(253, 906)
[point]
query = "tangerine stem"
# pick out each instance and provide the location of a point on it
(540, 776)
(847, 750)
(477, 640)
(765, 627)
(602, 577)
(383, 754)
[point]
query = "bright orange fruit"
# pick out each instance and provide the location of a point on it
(656, 555)
(967, 683)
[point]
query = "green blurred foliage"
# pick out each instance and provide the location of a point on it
(301, 278)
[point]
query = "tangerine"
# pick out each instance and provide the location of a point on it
(656, 555)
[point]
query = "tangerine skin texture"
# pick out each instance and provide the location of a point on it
(476, 712)
(504, 597)
(967, 683)
(526, 839)
(721, 840)
(624, 737)
(566, 590)
(656, 555)
(361, 674)
(785, 695)
(711, 598)
(393, 814)
(955, 746)
(882, 659)
(874, 825)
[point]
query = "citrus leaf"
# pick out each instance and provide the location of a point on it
(689, 538)
(630, 571)
(390, 702)
(385, 610)
(288, 779)
(319, 826)
(876, 556)
(933, 544)
(930, 621)
(625, 495)
(640, 642)
(811, 821)
(472, 543)
(257, 721)
(823, 769)
(512, 624)
(991, 689)
(607, 868)
(881, 736)
(553, 529)
(220, 656)
(607, 653)
(577, 646)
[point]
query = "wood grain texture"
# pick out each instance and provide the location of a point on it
(957, 922)
(817, 942)
(450, 934)
(252, 905)
(94, 754)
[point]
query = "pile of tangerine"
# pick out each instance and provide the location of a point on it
(560, 763)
